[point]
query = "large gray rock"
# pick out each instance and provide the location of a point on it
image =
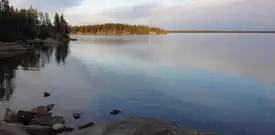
(136, 126)
(42, 110)
(48, 120)
(25, 116)
(11, 129)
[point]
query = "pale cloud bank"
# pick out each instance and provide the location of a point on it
(171, 14)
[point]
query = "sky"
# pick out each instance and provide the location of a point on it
(168, 14)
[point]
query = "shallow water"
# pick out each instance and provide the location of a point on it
(223, 83)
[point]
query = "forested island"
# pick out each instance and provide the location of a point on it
(24, 24)
(117, 29)
(217, 31)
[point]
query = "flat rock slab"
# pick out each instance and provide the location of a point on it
(48, 120)
(11, 129)
(38, 130)
(136, 126)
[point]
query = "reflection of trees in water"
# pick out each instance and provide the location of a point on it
(7, 74)
(61, 53)
(28, 61)
(36, 60)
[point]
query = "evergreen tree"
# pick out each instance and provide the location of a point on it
(28, 23)
(56, 22)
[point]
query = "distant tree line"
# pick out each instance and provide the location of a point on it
(28, 23)
(112, 28)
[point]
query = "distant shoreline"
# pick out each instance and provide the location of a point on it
(113, 34)
(216, 31)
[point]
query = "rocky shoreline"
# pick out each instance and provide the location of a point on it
(41, 121)
(11, 49)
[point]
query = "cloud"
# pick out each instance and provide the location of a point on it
(189, 14)
(46, 5)
(170, 14)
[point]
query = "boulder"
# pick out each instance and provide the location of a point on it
(10, 116)
(25, 117)
(42, 110)
(48, 120)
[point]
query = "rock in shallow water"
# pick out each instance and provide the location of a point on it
(10, 116)
(136, 126)
(25, 117)
(86, 125)
(38, 130)
(46, 94)
(115, 112)
(76, 115)
(60, 128)
(11, 129)
(48, 120)
(42, 110)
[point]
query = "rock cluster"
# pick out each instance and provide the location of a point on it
(37, 121)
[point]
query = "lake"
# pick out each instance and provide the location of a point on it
(223, 83)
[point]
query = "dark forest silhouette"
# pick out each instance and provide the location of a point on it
(22, 24)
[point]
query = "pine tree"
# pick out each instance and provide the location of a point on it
(56, 22)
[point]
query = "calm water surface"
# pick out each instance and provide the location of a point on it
(223, 83)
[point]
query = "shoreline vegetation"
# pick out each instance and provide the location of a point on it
(217, 31)
(25, 29)
(116, 29)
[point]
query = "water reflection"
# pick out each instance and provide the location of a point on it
(61, 53)
(33, 61)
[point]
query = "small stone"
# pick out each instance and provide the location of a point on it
(76, 115)
(46, 94)
(10, 116)
(25, 117)
(115, 112)
(86, 125)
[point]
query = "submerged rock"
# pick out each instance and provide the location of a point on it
(76, 115)
(10, 116)
(115, 112)
(86, 125)
(48, 120)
